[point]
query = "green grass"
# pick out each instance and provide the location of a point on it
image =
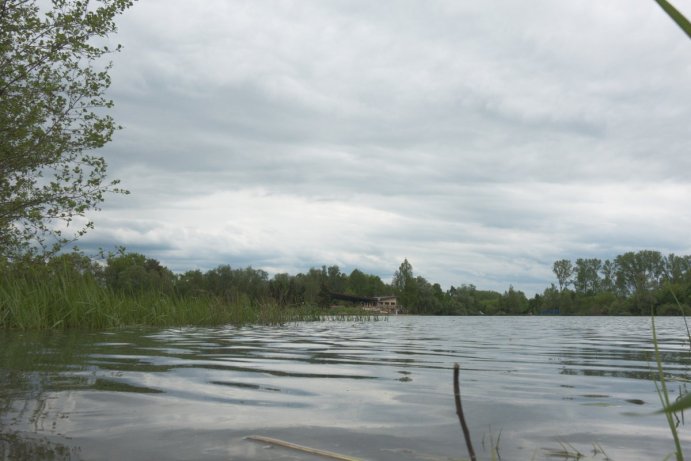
(676, 16)
(669, 408)
(65, 299)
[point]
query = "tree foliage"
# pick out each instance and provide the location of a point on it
(631, 283)
(587, 275)
(404, 283)
(638, 283)
(133, 273)
(564, 270)
(52, 116)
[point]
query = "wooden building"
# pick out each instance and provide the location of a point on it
(387, 304)
(380, 304)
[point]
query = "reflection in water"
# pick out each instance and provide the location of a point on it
(374, 389)
(15, 447)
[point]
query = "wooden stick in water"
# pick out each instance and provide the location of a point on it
(459, 412)
(294, 446)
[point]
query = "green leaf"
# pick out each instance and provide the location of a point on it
(676, 16)
(681, 404)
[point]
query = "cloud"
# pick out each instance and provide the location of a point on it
(481, 141)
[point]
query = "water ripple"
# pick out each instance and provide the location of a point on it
(530, 376)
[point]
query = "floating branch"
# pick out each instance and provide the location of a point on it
(294, 446)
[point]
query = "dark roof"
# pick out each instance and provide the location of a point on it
(352, 298)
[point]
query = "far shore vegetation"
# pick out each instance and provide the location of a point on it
(72, 290)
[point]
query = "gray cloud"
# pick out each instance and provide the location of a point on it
(481, 141)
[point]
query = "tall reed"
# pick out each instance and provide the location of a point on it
(39, 299)
(664, 396)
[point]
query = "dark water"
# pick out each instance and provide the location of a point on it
(379, 390)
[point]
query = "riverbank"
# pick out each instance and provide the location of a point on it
(35, 300)
(123, 289)
(62, 298)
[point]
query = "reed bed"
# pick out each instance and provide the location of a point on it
(38, 300)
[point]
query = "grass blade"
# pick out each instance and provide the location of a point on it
(664, 395)
(676, 16)
(680, 405)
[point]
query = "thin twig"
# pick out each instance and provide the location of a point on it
(459, 412)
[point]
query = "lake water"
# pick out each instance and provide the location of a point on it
(376, 390)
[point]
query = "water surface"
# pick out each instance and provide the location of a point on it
(378, 390)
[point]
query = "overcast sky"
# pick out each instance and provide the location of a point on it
(480, 140)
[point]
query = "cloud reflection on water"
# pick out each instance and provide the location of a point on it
(537, 380)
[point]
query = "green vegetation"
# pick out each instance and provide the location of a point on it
(53, 113)
(73, 291)
(676, 16)
(664, 397)
(630, 284)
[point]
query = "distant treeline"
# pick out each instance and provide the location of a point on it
(636, 283)
(631, 284)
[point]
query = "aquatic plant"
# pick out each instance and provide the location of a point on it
(40, 298)
(670, 408)
(676, 16)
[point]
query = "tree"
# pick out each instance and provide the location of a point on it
(425, 298)
(638, 275)
(608, 271)
(404, 284)
(191, 284)
(513, 302)
(336, 281)
(556, 301)
(52, 115)
(285, 291)
(563, 269)
(358, 283)
(463, 300)
(134, 273)
(403, 276)
(677, 268)
(639, 272)
(588, 275)
(313, 284)
(74, 263)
